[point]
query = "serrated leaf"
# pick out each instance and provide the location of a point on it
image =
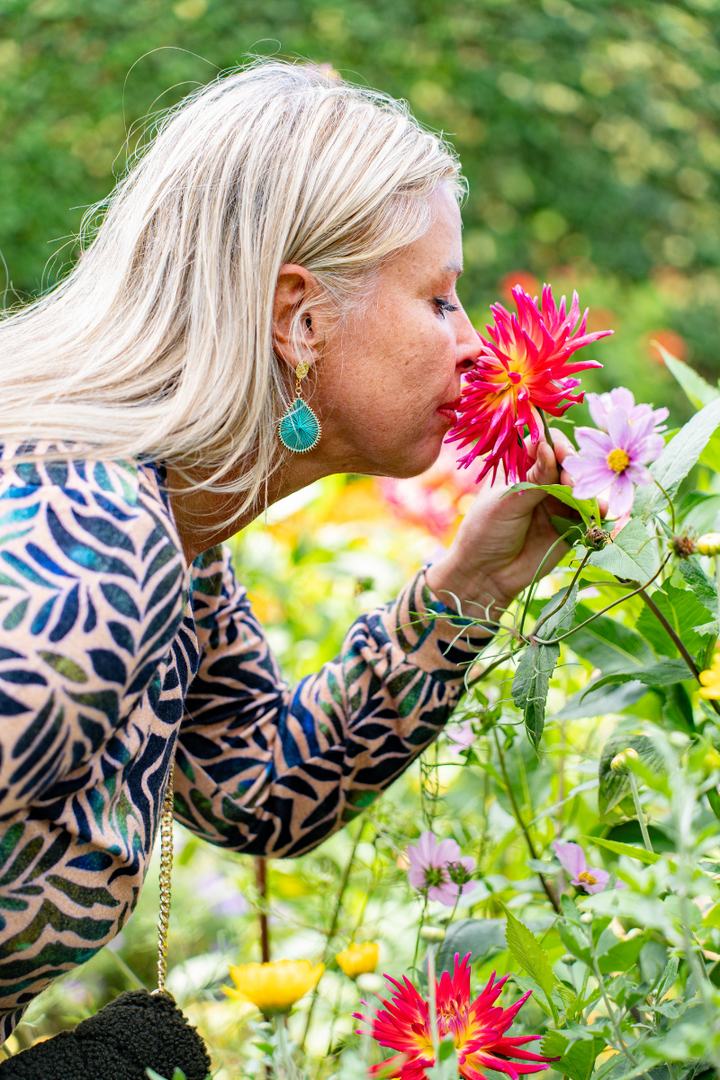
(614, 787)
(531, 683)
(678, 458)
(663, 673)
(530, 955)
(576, 1059)
(475, 936)
(632, 556)
(702, 586)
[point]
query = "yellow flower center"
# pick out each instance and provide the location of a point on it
(618, 460)
(587, 878)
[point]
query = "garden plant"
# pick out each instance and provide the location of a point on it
(542, 889)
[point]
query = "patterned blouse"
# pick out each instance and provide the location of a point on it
(115, 656)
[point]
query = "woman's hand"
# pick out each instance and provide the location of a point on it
(502, 541)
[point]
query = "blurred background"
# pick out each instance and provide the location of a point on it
(588, 131)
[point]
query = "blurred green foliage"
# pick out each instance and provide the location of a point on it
(588, 132)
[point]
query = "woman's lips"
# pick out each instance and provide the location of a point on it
(448, 409)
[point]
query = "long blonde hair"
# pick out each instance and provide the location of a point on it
(159, 342)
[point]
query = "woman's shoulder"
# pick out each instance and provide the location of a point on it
(89, 517)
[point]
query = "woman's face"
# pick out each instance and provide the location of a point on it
(388, 378)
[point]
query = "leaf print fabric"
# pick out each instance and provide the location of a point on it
(114, 656)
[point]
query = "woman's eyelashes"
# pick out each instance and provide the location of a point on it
(444, 306)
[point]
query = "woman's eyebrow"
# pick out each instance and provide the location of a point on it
(453, 268)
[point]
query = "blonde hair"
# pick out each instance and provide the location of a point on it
(159, 342)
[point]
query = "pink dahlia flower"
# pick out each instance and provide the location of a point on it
(477, 1029)
(523, 367)
(590, 878)
(438, 870)
(615, 459)
(436, 498)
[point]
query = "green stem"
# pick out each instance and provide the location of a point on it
(333, 924)
(639, 811)
(555, 610)
(597, 614)
(546, 429)
(549, 891)
(420, 926)
(433, 1007)
(670, 504)
(536, 577)
(611, 1014)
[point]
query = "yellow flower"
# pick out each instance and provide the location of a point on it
(710, 680)
(359, 959)
(709, 544)
(274, 987)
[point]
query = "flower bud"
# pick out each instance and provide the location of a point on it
(432, 933)
(684, 546)
(596, 538)
(709, 544)
(568, 959)
(587, 917)
(619, 762)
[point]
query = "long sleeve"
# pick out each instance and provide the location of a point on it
(269, 770)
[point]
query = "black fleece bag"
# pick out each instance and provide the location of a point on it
(119, 1042)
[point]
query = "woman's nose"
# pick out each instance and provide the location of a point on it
(468, 342)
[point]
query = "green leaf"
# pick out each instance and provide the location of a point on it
(641, 853)
(678, 458)
(607, 644)
(589, 702)
(622, 956)
(537, 662)
(699, 393)
(702, 586)
(633, 555)
(584, 507)
(577, 1059)
(530, 955)
(683, 611)
(64, 666)
(614, 787)
(475, 936)
(663, 673)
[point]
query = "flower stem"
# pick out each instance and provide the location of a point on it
(549, 891)
(261, 885)
(420, 926)
(639, 811)
(546, 429)
(433, 1006)
(333, 923)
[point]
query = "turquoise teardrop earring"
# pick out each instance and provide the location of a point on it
(299, 428)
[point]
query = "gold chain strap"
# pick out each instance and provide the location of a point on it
(166, 861)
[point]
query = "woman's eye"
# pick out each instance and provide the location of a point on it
(444, 306)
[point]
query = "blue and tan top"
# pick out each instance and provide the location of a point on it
(115, 656)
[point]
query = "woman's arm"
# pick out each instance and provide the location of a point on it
(269, 770)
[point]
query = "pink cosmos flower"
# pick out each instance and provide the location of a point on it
(573, 861)
(622, 398)
(615, 458)
(477, 1029)
(523, 367)
(438, 870)
(460, 738)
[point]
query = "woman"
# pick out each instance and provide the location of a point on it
(280, 221)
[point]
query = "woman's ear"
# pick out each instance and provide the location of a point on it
(296, 314)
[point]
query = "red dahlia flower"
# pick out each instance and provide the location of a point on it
(477, 1028)
(521, 369)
